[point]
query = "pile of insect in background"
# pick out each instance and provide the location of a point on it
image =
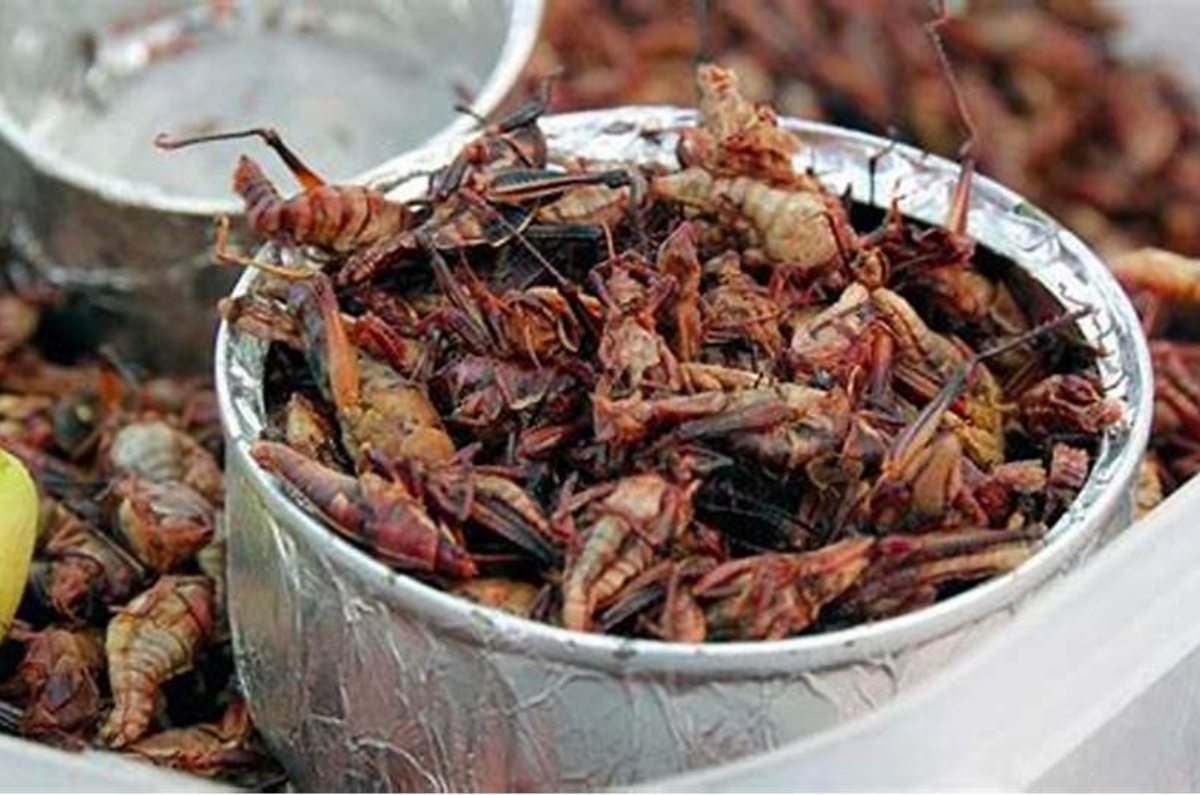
(121, 640)
(1109, 146)
(696, 403)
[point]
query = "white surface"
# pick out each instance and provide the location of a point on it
(36, 768)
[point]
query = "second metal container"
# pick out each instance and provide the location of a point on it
(84, 88)
(363, 678)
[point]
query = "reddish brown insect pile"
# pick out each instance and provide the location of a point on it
(707, 403)
(121, 641)
(1107, 144)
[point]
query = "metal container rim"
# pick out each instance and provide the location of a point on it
(727, 659)
(524, 20)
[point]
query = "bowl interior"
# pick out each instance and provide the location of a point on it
(347, 82)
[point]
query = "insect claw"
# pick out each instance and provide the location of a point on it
(465, 109)
(873, 162)
(224, 254)
(387, 185)
(956, 220)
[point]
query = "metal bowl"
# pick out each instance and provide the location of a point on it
(363, 678)
(85, 87)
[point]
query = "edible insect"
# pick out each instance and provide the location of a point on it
(153, 638)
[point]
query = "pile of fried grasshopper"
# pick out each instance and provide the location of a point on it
(693, 403)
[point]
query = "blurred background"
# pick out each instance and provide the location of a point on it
(1081, 105)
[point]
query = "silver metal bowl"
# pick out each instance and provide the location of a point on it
(84, 88)
(363, 678)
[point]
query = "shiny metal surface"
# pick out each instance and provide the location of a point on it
(363, 678)
(85, 87)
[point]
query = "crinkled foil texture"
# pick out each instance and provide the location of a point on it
(362, 678)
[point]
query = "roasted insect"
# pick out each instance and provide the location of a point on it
(154, 637)
(623, 527)
(164, 524)
(79, 569)
(160, 453)
(774, 595)
(59, 676)
(489, 193)
(1164, 287)
(335, 218)
(382, 514)
(206, 749)
(18, 321)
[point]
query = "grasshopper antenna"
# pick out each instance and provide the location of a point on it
(956, 220)
(467, 110)
(873, 162)
(921, 430)
(528, 112)
(703, 17)
(304, 175)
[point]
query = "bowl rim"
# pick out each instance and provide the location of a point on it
(877, 639)
(524, 20)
